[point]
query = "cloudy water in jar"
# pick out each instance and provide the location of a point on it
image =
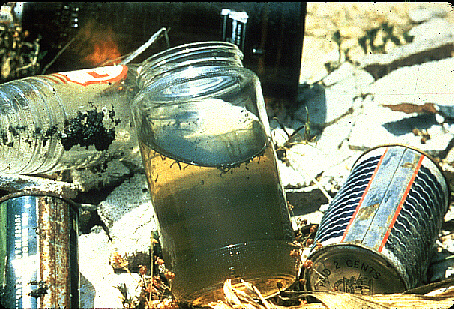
(221, 222)
(216, 191)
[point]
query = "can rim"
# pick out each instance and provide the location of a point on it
(380, 258)
(31, 192)
(431, 158)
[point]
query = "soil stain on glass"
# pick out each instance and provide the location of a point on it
(87, 129)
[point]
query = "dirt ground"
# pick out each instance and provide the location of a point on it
(352, 20)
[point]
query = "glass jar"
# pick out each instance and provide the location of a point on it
(211, 170)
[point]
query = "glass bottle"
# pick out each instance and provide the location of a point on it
(65, 120)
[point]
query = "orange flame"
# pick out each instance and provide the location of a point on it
(104, 52)
(98, 43)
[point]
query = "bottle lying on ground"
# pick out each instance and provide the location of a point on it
(65, 120)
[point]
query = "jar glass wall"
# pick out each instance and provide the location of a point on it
(214, 183)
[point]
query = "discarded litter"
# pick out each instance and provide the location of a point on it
(378, 233)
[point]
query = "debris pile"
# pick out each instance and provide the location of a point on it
(388, 80)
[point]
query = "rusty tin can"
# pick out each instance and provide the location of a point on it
(38, 251)
(378, 233)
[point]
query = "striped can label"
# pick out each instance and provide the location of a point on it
(378, 233)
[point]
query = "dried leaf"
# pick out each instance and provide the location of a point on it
(143, 270)
(334, 300)
(409, 108)
(118, 262)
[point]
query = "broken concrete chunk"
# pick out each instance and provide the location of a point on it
(425, 13)
(109, 175)
(379, 65)
(398, 128)
(432, 29)
(129, 216)
(131, 194)
(328, 103)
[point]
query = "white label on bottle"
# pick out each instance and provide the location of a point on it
(101, 75)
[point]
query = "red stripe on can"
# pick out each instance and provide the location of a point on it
(399, 208)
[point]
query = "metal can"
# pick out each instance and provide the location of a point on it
(378, 233)
(38, 251)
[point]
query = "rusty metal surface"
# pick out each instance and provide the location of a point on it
(42, 253)
(54, 224)
(19, 183)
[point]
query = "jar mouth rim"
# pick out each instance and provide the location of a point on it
(198, 52)
(197, 82)
(189, 47)
(149, 72)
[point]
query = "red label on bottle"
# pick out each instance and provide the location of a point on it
(101, 75)
(97, 75)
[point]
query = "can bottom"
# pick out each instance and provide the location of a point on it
(352, 269)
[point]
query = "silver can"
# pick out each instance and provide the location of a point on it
(38, 251)
(378, 233)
